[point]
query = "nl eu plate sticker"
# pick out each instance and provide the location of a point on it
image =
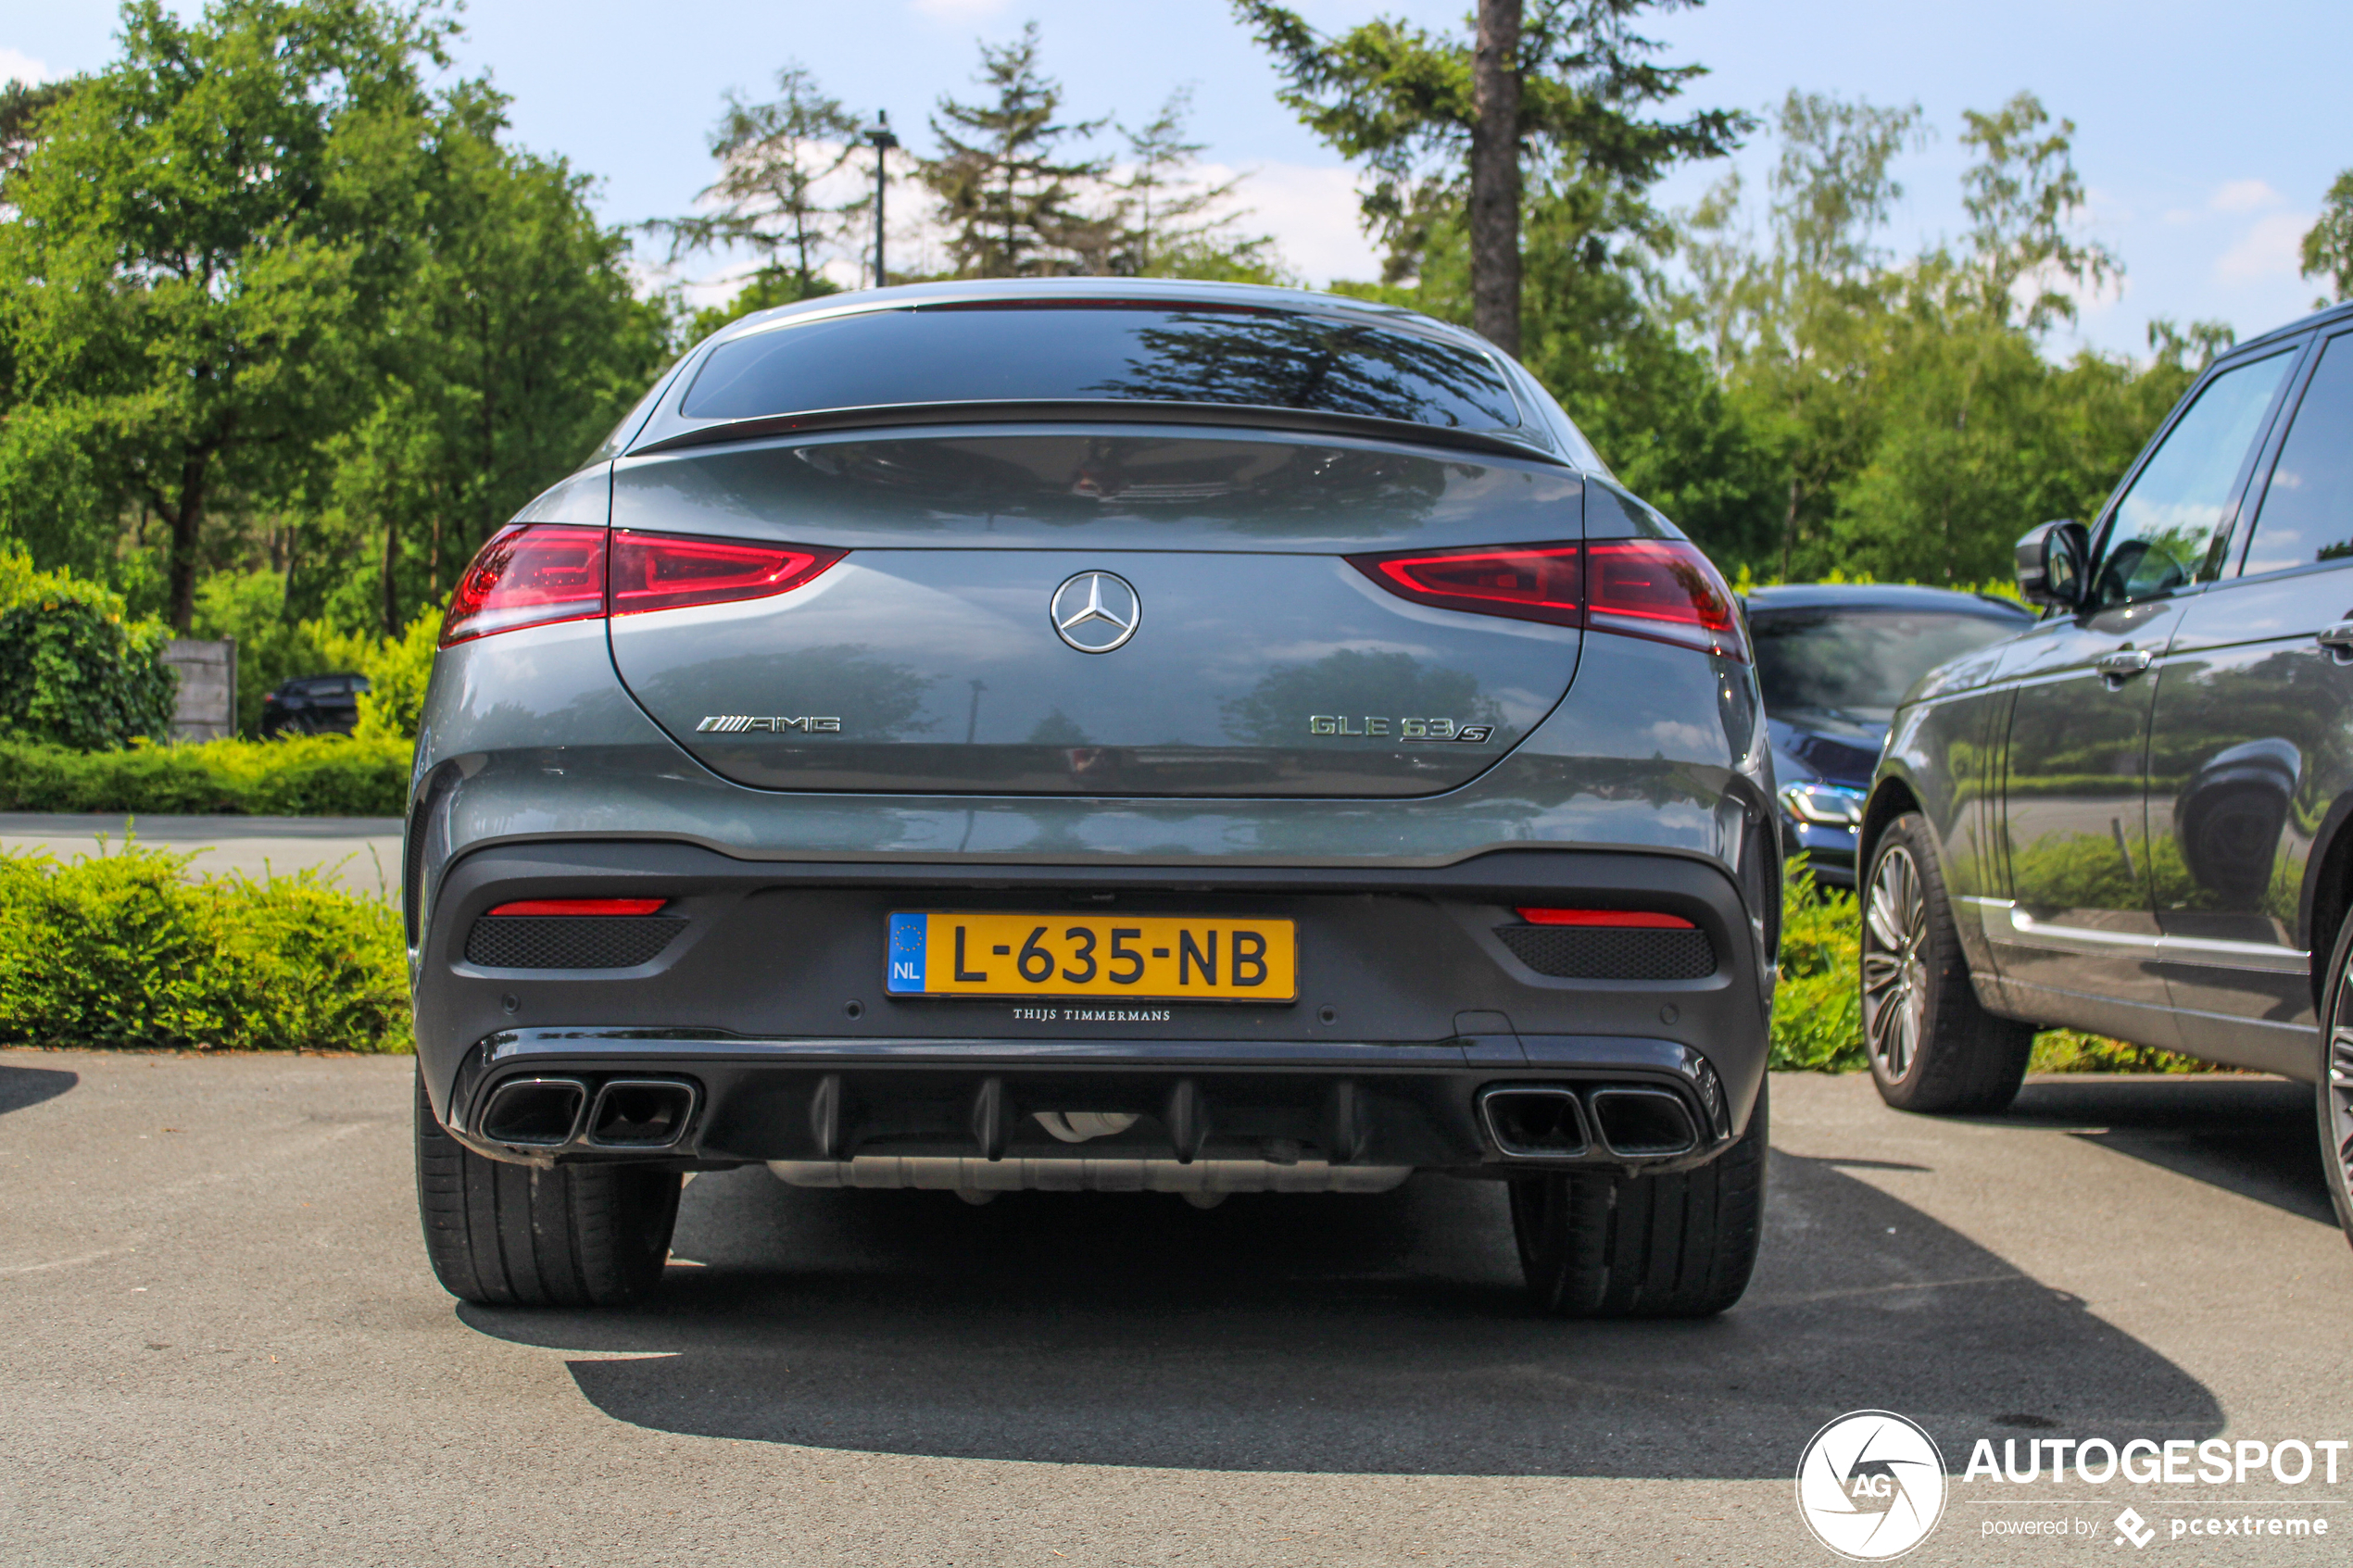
(908, 936)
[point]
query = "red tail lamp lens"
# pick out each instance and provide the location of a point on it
(530, 574)
(1527, 582)
(667, 571)
(1618, 920)
(1664, 589)
(581, 907)
(535, 574)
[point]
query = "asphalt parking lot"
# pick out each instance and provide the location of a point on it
(223, 1345)
(362, 853)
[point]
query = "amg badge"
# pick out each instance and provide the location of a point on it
(742, 724)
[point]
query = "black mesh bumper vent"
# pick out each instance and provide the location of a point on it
(569, 941)
(1605, 953)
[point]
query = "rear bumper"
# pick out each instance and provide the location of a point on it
(1263, 1102)
(768, 999)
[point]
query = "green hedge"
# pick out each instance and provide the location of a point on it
(74, 671)
(309, 776)
(127, 950)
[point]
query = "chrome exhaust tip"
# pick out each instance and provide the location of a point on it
(534, 1112)
(1643, 1123)
(641, 1114)
(1535, 1121)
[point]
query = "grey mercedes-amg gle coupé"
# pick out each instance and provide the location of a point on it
(1093, 734)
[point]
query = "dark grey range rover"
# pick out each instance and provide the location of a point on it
(2134, 817)
(1162, 738)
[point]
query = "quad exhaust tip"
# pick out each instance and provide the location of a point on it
(534, 1112)
(641, 1114)
(637, 1114)
(1555, 1122)
(1536, 1123)
(1644, 1124)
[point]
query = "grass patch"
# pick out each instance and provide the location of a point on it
(304, 776)
(126, 949)
(2070, 1050)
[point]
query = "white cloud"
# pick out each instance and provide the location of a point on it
(17, 65)
(1311, 211)
(2245, 196)
(2272, 248)
(960, 10)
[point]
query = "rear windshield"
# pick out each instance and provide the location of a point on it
(1055, 354)
(1860, 661)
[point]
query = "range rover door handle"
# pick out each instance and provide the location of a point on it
(2339, 636)
(2124, 664)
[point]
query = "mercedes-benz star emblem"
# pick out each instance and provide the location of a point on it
(1096, 611)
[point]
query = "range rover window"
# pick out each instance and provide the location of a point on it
(1860, 662)
(2307, 508)
(2166, 523)
(1065, 352)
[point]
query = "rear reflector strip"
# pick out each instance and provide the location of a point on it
(581, 907)
(1622, 919)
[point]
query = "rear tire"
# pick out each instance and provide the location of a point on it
(516, 1236)
(1932, 1047)
(1600, 1243)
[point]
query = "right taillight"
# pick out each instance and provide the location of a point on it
(537, 573)
(1662, 589)
(530, 574)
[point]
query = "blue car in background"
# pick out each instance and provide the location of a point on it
(1833, 659)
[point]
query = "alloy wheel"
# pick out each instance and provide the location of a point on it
(1895, 983)
(2337, 1092)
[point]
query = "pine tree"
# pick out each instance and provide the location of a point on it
(1165, 222)
(1008, 199)
(772, 158)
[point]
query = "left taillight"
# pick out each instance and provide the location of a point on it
(537, 574)
(668, 570)
(530, 574)
(1661, 589)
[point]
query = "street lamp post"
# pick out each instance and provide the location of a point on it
(878, 136)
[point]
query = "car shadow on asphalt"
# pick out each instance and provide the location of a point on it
(2251, 1136)
(1366, 1335)
(21, 1087)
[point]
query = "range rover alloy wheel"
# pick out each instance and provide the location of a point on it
(1895, 973)
(2335, 1080)
(1932, 1046)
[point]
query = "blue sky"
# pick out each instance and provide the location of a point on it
(2207, 133)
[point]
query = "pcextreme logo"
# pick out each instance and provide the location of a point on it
(1871, 1485)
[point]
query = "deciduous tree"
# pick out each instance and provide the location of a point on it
(2328, 245)
(198, 255)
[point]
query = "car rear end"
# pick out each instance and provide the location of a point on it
(1171, 789)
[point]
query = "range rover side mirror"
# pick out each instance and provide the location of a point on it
(2053, 565)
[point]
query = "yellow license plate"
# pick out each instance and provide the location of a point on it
(1163, 958)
